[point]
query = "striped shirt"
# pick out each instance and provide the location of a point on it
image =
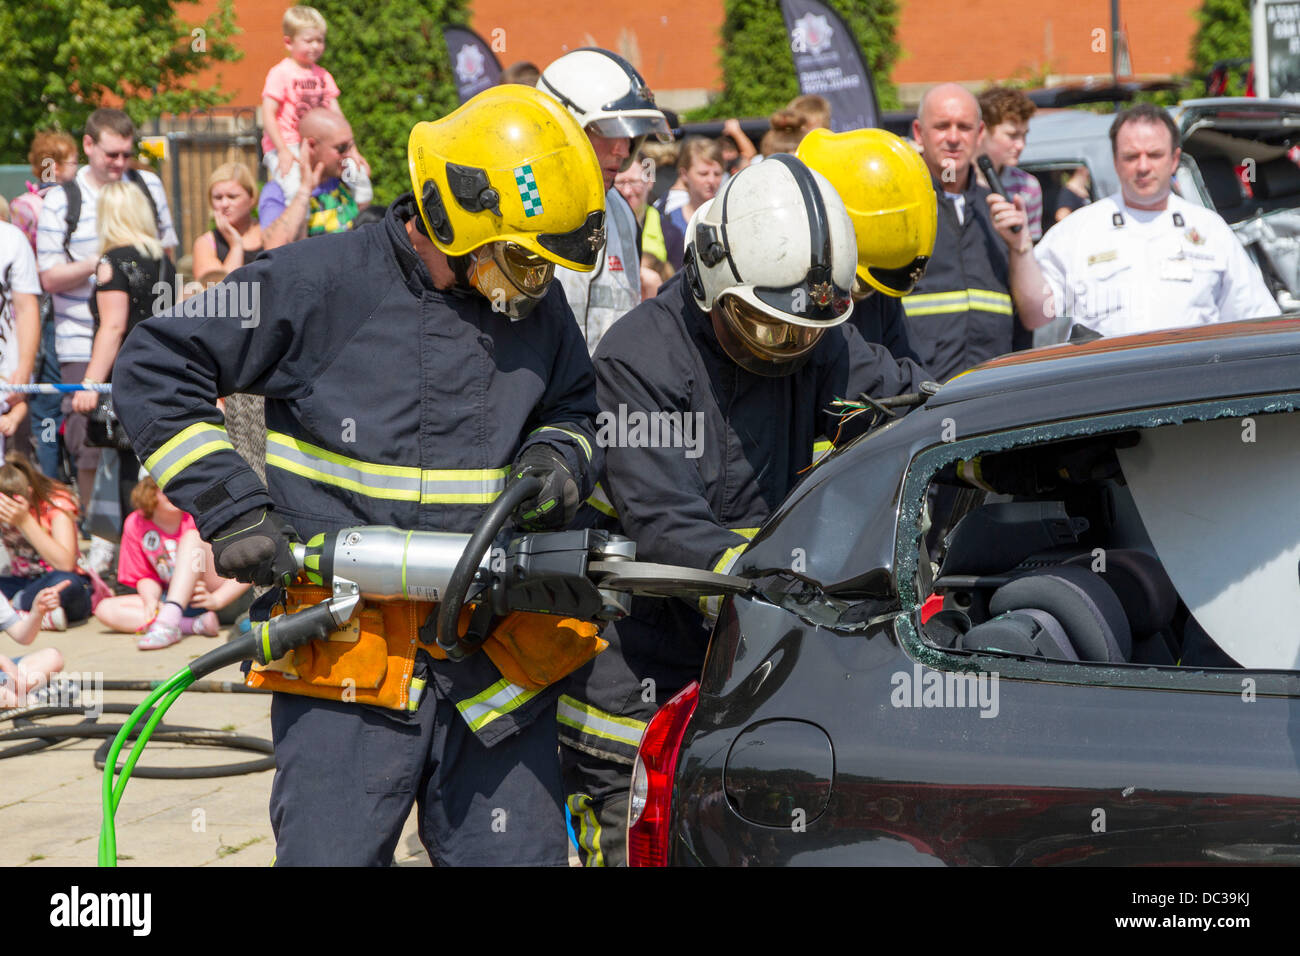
(73, 329)
(1026, 184)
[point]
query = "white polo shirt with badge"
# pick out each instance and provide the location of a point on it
(1119, 270)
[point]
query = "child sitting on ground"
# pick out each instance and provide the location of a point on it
(19, 676)
(178, 590)
(39, 532)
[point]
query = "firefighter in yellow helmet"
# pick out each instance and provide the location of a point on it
(411, 370)
(886, 188)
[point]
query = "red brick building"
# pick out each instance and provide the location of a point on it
(675, 42)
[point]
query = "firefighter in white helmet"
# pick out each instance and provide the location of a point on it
(611, 102)
(740, 354)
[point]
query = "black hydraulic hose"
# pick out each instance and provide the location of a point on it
(269, 640)
(198, 687)
(489, 527)
(39, 738)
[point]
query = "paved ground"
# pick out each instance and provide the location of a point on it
(50, 804)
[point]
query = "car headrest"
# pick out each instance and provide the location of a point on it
(1142, 586)
(1277, 178)
(997, 537)
(1081, 601)
(1221, 180)
(1032, 633)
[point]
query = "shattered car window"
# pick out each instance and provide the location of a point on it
(1169, 547)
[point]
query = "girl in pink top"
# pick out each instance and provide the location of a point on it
(177, 587)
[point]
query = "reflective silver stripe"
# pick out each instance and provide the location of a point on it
(600, 501)
(591, 720)
(961, 300)
(317, 464)
(415, 693)
(470, 486)
(184, 448)
(497, 701)
(391, 482)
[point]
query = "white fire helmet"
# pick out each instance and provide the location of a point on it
(772, 259)
(606, 95)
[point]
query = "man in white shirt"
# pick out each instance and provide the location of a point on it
(20, 324)
(1142, 259)
(67, 261)
(611, 102)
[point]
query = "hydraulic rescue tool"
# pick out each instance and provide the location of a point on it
(586, 574)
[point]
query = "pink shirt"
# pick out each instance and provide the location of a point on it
(148, 551)
(296, 90)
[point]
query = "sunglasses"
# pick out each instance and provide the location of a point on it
(125, 154)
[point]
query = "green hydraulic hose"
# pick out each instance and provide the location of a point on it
(171, 689)
(266, 642)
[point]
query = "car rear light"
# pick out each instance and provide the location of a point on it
(650, 808)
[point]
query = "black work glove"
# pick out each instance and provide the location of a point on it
(557, 503)
(254, 548)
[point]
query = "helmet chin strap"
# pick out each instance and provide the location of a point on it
(460, 266)
(406, 209)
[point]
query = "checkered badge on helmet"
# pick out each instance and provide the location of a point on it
(528, 193)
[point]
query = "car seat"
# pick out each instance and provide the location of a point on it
(1061, 613)
(1148, 598)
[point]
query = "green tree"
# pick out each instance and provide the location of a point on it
(758, 67)
(61, 59)
(391, 64)
(1223, 34)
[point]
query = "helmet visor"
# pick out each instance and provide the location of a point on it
(760, 343)
(632, 127)
(900, 282)
(529, 273)
(582, 245)
(510, 277)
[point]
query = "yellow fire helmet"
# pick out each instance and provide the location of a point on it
(887, 189)
(510, 165)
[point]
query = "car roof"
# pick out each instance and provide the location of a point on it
(1091, 377)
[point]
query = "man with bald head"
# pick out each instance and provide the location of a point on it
(328, 199)
(961, 312)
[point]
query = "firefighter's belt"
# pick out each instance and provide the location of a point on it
(371, 659)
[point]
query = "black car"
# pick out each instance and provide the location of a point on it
(1050, 617)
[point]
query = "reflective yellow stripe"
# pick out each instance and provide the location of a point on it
(184, 448)
(598, 723)
(600, 501)
(497, 701)
(731, 554)
(416, 692)
(579, 805)
(390, 482)
(962, 300)
(710, 605)
(576, 436)
(990, 301)
(821, 449)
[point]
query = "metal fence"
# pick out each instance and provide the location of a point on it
(197, 144)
